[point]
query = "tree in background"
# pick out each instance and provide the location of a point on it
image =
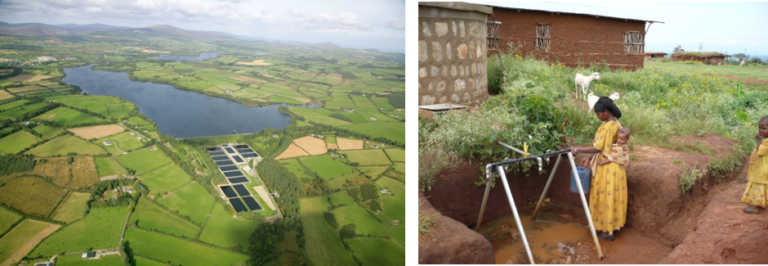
(678, 48)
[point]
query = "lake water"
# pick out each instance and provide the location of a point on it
(183, 114)
(178, 58)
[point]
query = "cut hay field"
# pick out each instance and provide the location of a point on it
(31, 195)
(188, 253)
(164, 179)
(29, 78)
(21, 239)
(325, 166)
(350, 144)
(5, 95)
(388, 130)
(311, 145)
(225, 231)
(96, 132)
(17, 142)
(100, 229)
(377, 251)
(48, 132)
(396, 155)
(67, 117)
(291, 152)
(7, 219)
(107, 166)
(63, 145)
(191, 201)
(153, 217)
(125, 141)
(368, 157)
(77, 260)
(323, 245)
(144, 160)
(72, 208)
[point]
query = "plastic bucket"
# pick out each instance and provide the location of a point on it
(584, 178)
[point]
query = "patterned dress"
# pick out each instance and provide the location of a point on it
(608, 193)
(618, 154)
(758, 177)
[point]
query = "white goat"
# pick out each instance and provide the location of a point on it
(742, 63)
(584, 81)
(592, 99)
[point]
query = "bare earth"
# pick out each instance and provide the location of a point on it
(5, 95)
(312, 145)
(26, 248)
(332, 146)
(292, 151)
(259, 62)
(264, 195)
(350, 144)
(97, 131)
(29, 77)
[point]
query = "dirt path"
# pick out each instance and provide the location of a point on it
(264, 195)
(27, 247)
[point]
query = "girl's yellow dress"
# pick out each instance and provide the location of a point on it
(758, 177)
(608, 193)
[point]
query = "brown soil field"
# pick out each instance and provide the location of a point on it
(332, 146)
(56, 169)
(29, 77)
(244, 79)
(350, 144)
(5, 95)
(155, 51)
(259, 62)
(96, 132)
(8, 52)
(291, 152)
(83, 171)
(312, 145)
(26, 88)
(31, 195)
(25, 249)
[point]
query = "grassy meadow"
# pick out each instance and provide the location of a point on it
(100, 229)
(18, 141)
(225, 231)
(19, 236)
(31, 195)
(191, 201)
(72, 208)
(155, 246)
(64, 145)
(148, 215)
(144, 160)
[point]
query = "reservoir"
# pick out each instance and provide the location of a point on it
(180, 113)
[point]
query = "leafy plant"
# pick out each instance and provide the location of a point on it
(427, 221)
(689, 177)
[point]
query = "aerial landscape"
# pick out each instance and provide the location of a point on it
(166, 144)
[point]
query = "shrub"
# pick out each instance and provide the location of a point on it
(331, 220)
(689, 177)
(348, 231)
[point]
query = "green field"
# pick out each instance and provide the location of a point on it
(100, 229)
(383, 103)
(151, 216)
(387, 130)
(14, 113)
(72, 208)
(144, 160)
(12, 104)
(48, 132)
(111, 107)
(377, 251)
(400, 167)
(224, 231)
(373, 171)
(125, 141)
(7, 219)
(164, 179)
(367, 157)
(77, 260)
(107, 166)
(191, 201)
(392, 206)
(396, 155)
(323, 245)
(67, 117)
(20, 235)
(64, 145)
(178, 251)
(31, 195)
(325, 166)
(17, 142)
(296, 168)
(142, 261)
(354, 214)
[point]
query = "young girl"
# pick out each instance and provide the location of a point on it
(620, 151)
(754, 195)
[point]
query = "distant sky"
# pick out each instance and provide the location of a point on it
(378, 24)
(728, 27)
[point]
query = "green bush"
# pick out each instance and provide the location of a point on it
(348, 231)
(331, 220)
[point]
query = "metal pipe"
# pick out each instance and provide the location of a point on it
(586, 207)
(503, 178)
(488, 179)
(546, 187)
(523, 153)
(533, 157)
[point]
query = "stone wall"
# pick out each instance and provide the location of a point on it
(452, 53)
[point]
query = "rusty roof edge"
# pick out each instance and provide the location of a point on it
(565, 12)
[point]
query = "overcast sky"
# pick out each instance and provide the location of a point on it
(378, 24)
(729, 27)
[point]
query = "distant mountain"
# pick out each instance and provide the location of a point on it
(372, 50)
(327, 44)
(185, 33)
(31, 29)
(39, 29)
(88, 27)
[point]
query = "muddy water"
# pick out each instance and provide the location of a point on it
(551, 238)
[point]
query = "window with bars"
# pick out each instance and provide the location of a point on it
(542, 38)
(493, 35)
(634, 42)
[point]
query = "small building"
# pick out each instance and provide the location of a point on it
(709, 58)
(373, 118)
(107, 143)
(384, 191)
(650, 55)
(89, 255)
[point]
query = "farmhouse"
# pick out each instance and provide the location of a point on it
(709, 58)
(89, 255)
(569, 38)
(650, 55)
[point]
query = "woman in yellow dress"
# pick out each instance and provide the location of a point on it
(754, 194)
(608, 193)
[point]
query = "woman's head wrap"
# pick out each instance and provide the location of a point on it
(605, 103)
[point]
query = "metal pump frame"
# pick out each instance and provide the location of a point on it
(499, 167)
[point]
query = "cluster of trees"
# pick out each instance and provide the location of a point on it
(125, 199)
(10, 164)
(15, 72)
(18, 46)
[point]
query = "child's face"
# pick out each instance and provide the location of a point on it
(622, 138)
(763, 129)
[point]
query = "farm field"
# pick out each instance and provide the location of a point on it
(111, 107)
(368, 157)
(389, 130)
(12, 104)
(7, 219)
(155, 246)
(125, 141)
(325, 166)
(373, 171)
(144, 160)
(377, 251)
(31, 195)
(296, 168)
(100, 229)
(17, 142)
(17, 112)
(67, 117)
(396, 155)
(23, 237)
(354, 214)
(150, 216)
(72, 208)
(323, 245)
(76, 260)
(5, 95)
(164, 179)
(191, 201)
(107, 166)
(224, 231)
(392, 206)
(350, 144)
(28, 78)
(291, 152)
(311, 145)
(96, 132)
(64, 145)
(48, 132)
(400, 167)
(80, 173)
